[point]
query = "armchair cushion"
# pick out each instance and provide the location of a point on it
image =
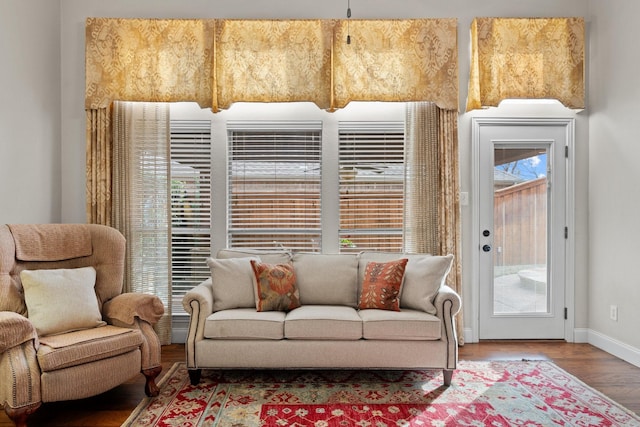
(61, 300)
(76, 348)
(124, 308)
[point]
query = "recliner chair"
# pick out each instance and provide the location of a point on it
(54, 346)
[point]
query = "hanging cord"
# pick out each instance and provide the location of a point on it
(348, 18)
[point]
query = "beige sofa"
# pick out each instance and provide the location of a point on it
(329, 329)
(66, 329)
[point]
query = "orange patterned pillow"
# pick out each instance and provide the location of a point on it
(381, 285)
(276, 288)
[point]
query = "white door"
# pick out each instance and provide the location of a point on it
(521, 206)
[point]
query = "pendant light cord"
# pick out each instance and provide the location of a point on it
(348, 18)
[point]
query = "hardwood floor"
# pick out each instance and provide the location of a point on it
(615, 378)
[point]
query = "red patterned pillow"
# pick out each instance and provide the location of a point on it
(381, 285)
(276, 288)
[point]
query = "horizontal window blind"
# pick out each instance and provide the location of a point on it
(274, 185)
(371, 162)
(190, 205)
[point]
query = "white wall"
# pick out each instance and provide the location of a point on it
(614, 173)
(74, 13)
(30, 111)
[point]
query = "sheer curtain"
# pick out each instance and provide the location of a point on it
(432, 216)
(141, 200)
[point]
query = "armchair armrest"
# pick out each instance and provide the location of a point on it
(140, 311)
(15, 329)
(124, 308)
(19, 370)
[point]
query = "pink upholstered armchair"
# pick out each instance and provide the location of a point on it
(66, 330)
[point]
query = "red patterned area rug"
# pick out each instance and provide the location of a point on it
(518, 393)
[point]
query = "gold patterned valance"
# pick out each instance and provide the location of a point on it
(532, 58)
(217, 62)
(155, 60)
(273, 61)
(396, 60)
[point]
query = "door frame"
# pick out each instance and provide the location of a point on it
(569, 124)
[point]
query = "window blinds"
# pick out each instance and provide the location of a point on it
(371, 161)
(190, 205)
(274, 185)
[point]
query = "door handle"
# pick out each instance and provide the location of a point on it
(486, 248)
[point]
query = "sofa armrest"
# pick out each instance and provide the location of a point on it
(448, 304)
(444, 295)
(124, 308)
(198, 302)
(15, 329)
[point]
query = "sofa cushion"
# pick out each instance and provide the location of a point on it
(323, 322)
(245, 323)
(330, 279)
(275, 287)
(61, 300)
(399, 325)
(424, 275)
(423, 278)
(232, 283)
(381, 285)
(271, 257)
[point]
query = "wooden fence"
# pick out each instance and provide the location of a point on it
(520, 224)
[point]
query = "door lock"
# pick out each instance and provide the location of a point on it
(486, 248)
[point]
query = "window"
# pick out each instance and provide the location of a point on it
(371, 186)
(190, 150)
(274, 185)
(301, 179)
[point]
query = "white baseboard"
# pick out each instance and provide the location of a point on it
(468, 336)
(617, 348)
(581, 335)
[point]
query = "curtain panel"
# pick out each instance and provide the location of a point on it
(141, 200)
(533, 58)
(432, 215)
(217, 62)
(98, 166)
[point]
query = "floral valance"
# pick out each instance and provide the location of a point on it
(532, 58)
(218, 62)
(396, 60)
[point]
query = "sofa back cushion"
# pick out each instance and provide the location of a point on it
(423, 277)
(327, 279)
(232, 283)
(270, 257)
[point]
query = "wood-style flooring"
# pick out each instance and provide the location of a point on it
(615, 378)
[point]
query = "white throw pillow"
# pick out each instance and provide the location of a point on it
(423, 278)
(61, 300)
(232, 283)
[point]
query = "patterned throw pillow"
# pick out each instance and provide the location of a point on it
(381, 285)
(276, 288)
